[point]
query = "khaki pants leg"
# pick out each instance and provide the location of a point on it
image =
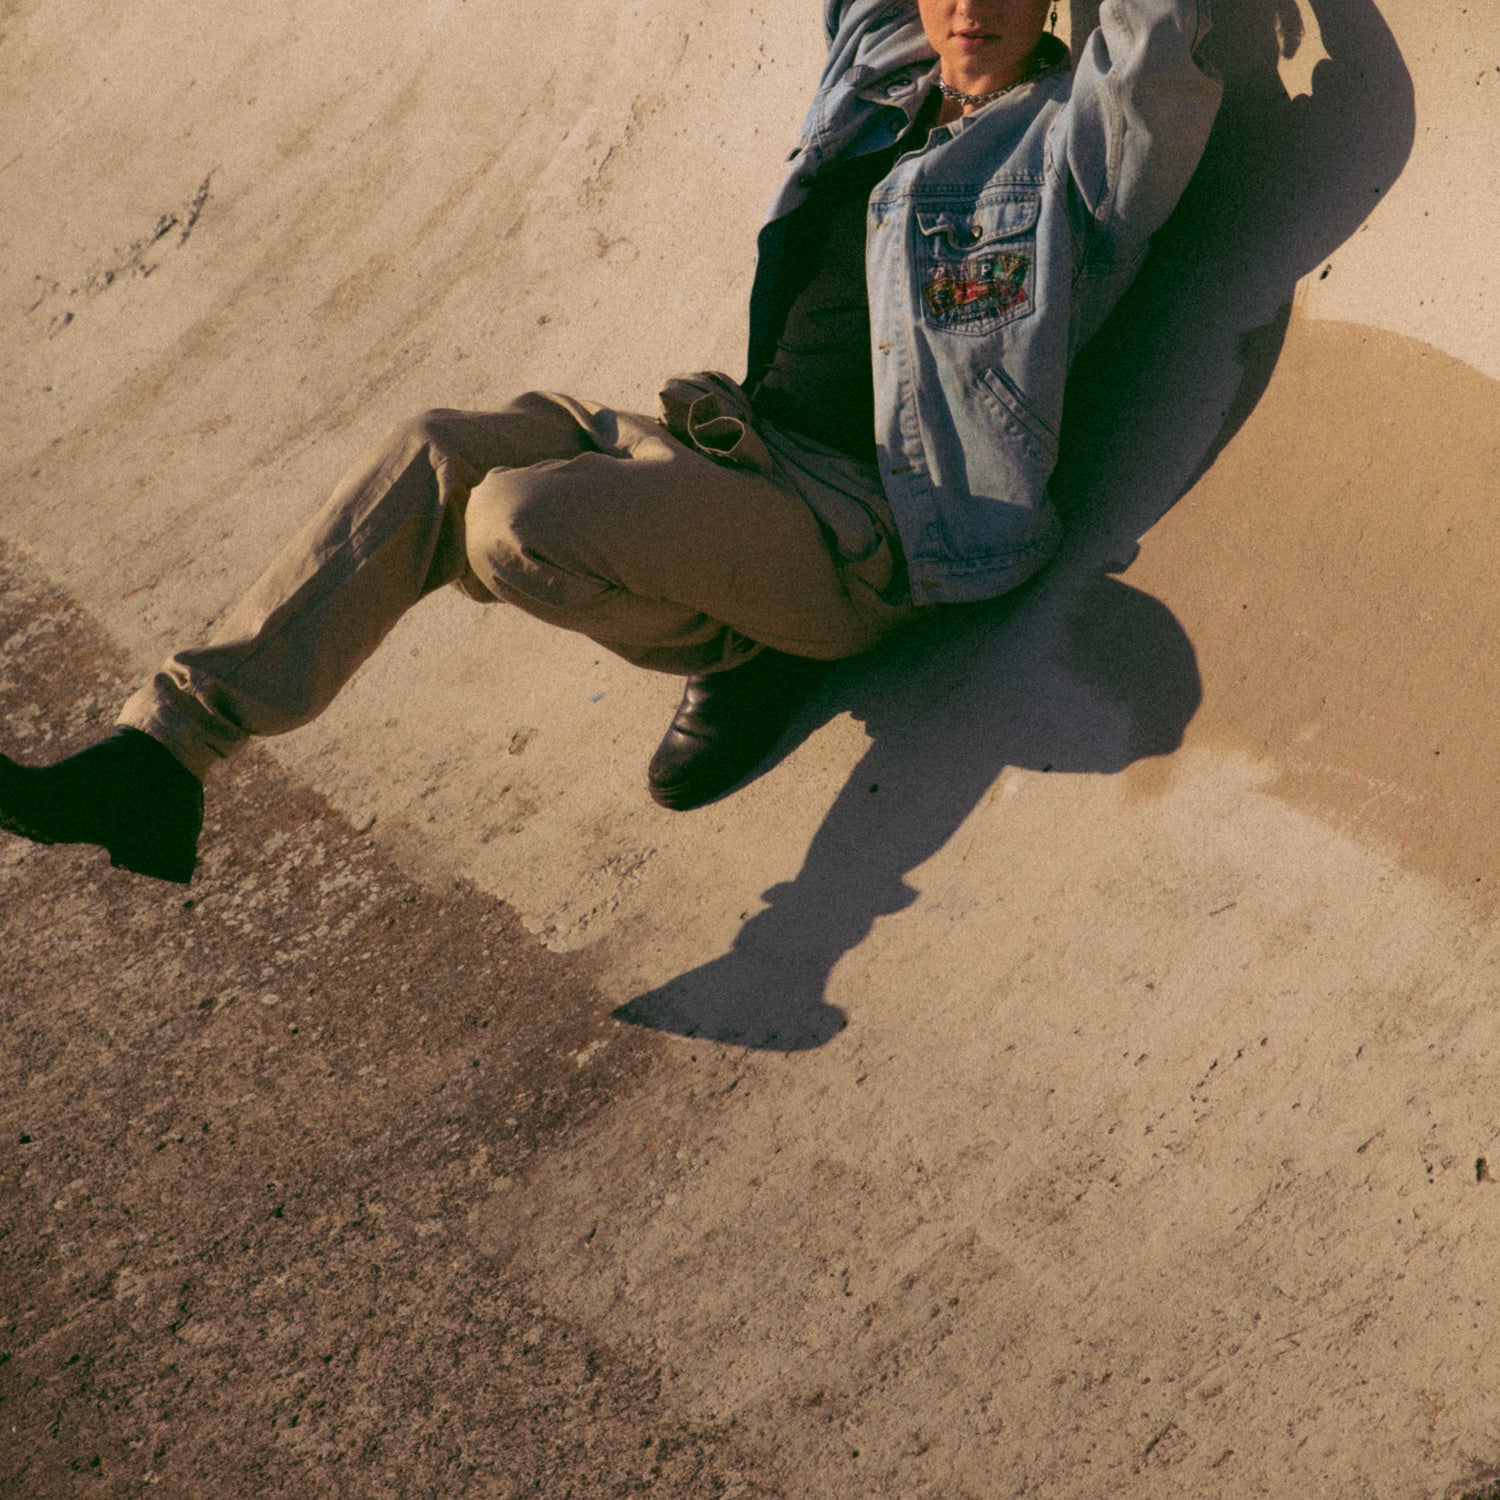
(596, 520)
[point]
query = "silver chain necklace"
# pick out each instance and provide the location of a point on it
(1038, 64)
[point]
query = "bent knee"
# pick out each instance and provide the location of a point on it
(522, 531)
(433, 428)
(513, 513)
(533, 427)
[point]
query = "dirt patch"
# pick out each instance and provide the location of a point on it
(260, 1143)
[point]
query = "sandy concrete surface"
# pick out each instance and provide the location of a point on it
(1068, 1071)
(249, 1133)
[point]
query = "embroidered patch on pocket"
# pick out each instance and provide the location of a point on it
(988, 286)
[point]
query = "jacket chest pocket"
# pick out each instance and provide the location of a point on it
(977, 264)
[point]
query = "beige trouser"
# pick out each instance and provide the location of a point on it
(598, 520)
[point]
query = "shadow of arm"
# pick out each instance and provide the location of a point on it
(1363, 105)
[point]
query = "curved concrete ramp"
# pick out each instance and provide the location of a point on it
(1067, 1072)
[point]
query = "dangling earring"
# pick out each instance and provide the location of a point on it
(1052, 24)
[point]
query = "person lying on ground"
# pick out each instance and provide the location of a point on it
(965, 205)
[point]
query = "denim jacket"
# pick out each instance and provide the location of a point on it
(992, 253)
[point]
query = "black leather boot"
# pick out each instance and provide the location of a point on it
(725, 725)
(128, 792)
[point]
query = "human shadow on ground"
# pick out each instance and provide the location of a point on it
(1079, 672)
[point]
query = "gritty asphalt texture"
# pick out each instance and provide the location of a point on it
(247, 1128)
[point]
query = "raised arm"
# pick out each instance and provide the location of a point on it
(1140, 114)
(836, 11)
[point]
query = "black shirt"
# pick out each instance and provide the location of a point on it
(819, 380)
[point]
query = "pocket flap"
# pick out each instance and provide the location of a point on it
(968, 227)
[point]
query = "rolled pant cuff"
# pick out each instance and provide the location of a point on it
(144, 710)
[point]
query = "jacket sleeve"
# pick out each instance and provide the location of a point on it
(841, 14)
(1141, 109)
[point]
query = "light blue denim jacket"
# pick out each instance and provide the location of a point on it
(992, 254)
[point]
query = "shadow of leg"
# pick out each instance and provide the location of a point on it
(1094, 675)
(767, 992)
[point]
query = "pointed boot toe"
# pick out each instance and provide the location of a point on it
(725, 725)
